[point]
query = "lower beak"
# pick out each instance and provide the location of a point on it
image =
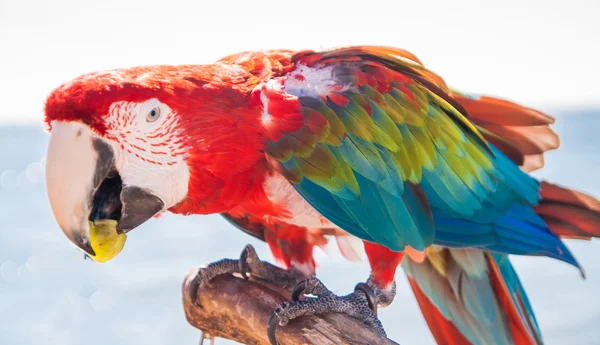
(84, 186)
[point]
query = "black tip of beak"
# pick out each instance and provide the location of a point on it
(83, 244)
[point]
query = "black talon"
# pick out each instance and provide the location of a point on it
(298, 290)
(273, 321)
(194, 285)
(370, 294)
(243, 264)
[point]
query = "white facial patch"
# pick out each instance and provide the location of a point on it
(149, 149)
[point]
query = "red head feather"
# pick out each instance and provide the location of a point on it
(216, 127)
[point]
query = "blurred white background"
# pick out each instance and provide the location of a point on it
(540, 53)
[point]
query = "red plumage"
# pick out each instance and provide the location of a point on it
(569, 213)
(383, 263)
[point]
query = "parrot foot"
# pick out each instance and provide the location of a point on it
(385, 296)
(360, 304)
(248, 263)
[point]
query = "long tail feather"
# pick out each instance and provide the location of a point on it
(523, 134)
(492, 110)
(506, 283)
(569, 213)
(468, 296)
(442, 329)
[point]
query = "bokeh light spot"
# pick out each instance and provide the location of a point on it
(35, 172)
(8, 271)
(8, 180)
(103, 300)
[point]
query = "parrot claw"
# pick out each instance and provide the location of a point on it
(248, 256)
(369, 294)
(360, 304)
(248, 265)
(207, 272)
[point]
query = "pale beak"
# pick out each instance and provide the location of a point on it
(84, 185)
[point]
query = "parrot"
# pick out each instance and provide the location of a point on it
(363, 142)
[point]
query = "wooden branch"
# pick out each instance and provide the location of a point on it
(236, 309)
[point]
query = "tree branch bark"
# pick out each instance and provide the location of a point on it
(237, 309)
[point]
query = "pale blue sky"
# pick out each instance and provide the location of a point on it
(49, 295)
(542, 53)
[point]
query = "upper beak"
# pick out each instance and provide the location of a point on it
(84, 185)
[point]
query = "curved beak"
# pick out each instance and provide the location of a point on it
(84, 185)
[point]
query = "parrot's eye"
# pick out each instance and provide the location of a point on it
(153, 114)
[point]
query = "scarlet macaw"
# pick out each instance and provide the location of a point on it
(361, 139)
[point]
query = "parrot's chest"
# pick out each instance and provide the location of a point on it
(299, 212)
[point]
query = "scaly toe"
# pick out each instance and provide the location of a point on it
(361, 305)
(310, 286)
